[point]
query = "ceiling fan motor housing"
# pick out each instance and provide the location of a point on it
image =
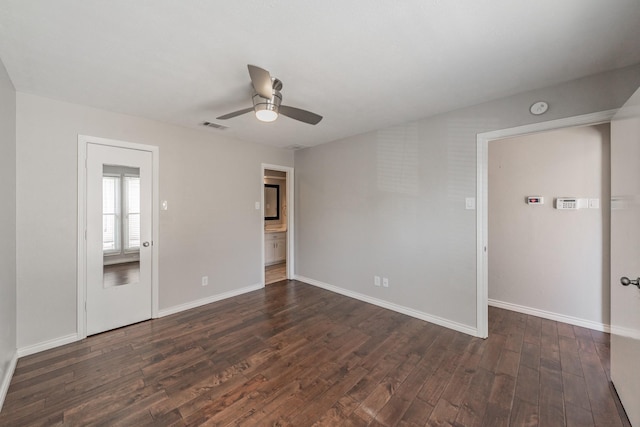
(273, 104)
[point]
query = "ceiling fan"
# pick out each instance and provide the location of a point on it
(267, 100)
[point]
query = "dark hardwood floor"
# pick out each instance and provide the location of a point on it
(121, 274)
(295, 355)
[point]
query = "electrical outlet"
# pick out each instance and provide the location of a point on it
(376, 280)
(205, 280)
(385, 282)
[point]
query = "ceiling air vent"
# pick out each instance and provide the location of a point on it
(214, 125)
(294, 147)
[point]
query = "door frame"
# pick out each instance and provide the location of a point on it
(482, 191)
(290, 217)
(83, 141)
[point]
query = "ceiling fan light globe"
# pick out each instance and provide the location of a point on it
(266, 115)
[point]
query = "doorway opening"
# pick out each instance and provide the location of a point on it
(482, 191)
(277, 204)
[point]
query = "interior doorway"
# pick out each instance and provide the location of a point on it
(277, 203)
(482, 191)
(548, 258)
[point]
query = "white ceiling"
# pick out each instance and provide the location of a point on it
(362, 64)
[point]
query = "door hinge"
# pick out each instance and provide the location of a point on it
(85, 306)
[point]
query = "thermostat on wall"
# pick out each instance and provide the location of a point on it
(535, 200)
(566, 203)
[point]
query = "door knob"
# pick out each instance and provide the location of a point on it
(145, 244)
(625, 281)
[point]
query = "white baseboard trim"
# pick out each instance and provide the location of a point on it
(465, 329)
(57, 342)
(46, 345)
(589, 324)
(6, 379)
(208, 300)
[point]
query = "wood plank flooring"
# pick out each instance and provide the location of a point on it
(121, 274)
(295, 355)
(275, 273)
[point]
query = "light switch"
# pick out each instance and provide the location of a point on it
(594, 203)
(470, 203)
(257, 206)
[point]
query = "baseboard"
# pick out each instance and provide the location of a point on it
(208, 300)
(6, 379)
(465, 329)
(589, 324)
(57, 342)
(46, 345)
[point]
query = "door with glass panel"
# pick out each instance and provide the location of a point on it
(119, 247)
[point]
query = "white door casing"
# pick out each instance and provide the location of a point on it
(99, 308)
(625, 256)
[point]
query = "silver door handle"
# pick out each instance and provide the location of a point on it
(145, 244)
(625, 281)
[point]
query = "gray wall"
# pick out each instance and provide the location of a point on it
(391, 202)
(211, 227)
(543, 258)
(7, 222)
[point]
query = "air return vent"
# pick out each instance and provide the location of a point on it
(294, 147)
(214, 125)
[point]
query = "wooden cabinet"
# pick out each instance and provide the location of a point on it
(275, 248)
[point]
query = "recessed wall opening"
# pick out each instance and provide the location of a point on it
(278, 223)
(275, 226)
(485, 247)
(545, 260)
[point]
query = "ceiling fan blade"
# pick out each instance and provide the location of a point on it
(261, 81)
(299, 114)
(235, 114)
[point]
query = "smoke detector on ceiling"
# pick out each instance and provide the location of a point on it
(538, 108)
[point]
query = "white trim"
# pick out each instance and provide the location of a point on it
(81, 277)
(465, 329)
(622, 332)
(6, 380)
(208, 300)
(47, 345)
(589, 324)
(83, 140)
(482, 215)
(290, 182)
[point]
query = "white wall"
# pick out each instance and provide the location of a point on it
(543, 258)
(391, 202)
(210, 228)
(7, 227)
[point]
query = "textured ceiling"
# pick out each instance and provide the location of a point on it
(363, 65)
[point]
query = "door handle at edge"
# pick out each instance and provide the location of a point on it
(145, 244)
(625, 281)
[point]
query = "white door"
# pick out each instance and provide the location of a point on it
(625, 256)
(119, 230)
